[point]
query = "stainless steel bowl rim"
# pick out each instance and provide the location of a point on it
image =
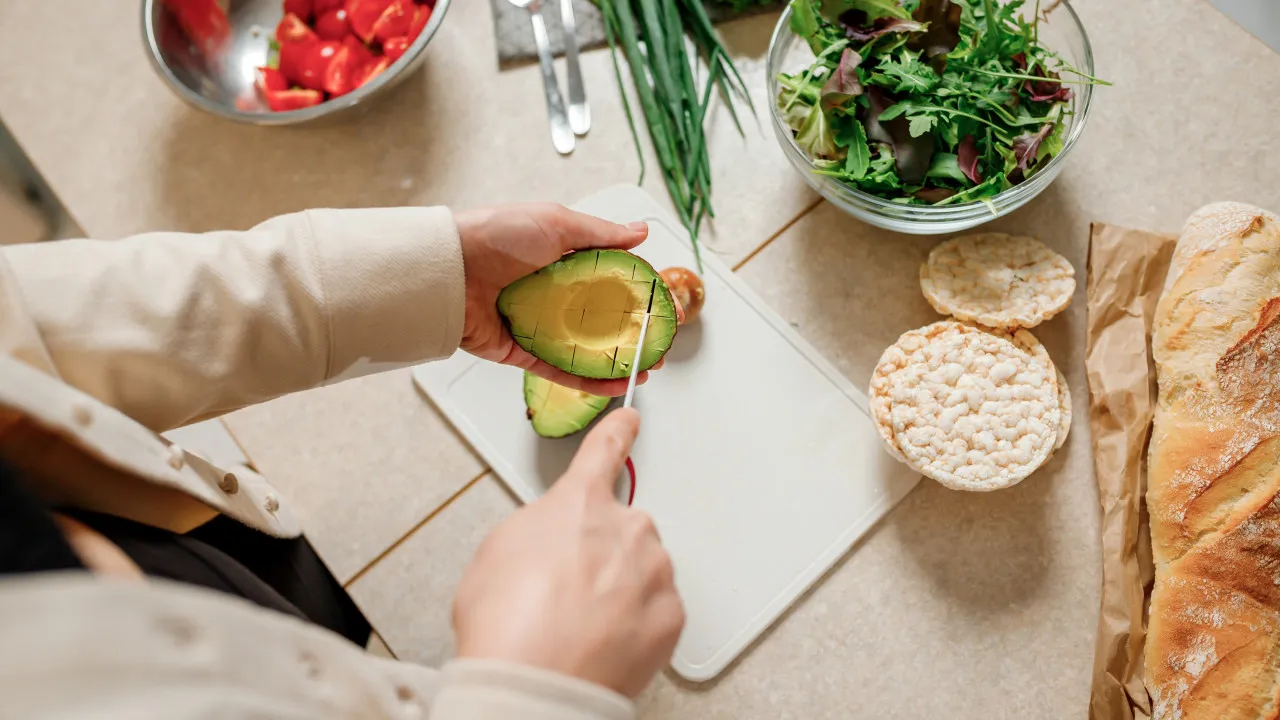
(945, 213)
(289, 117)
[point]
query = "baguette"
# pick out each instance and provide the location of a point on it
(1213, 641)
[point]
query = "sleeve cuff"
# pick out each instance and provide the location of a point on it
(496, 691)
(393, 285)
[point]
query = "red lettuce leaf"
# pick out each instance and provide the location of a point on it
(1026, 146)
(843, 85)
(911, 155)
(934, 194)
(856, 27)
(967, 154)
(943, 32)
(1047, 90)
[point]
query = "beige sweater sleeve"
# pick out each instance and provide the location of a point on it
(173, 327)
(117, 649)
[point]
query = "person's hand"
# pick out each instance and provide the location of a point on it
(576, 582)
(503, 244)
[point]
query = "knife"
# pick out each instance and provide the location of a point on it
(579, 112)
(635, 363)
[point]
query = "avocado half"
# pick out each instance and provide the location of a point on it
(582, 313)
(557, 411)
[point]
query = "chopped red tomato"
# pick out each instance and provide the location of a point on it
(370, 71)
(341, 72)
(395, 21)
(333, 25)
(362, 14)
(360, 53)
(315, 63)
(292, 58)
(285, 100)
(421, 15)
(395, 47)
(324, 6)
(271, 80)
(292, 30)
(203, 21)
(301, 8)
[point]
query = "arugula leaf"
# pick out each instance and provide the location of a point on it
(853, 136)
(912, 76)
(921, 124)
(882, 175)
(899, 109)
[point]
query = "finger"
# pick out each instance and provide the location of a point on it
(601, 456)
(519, 357)
(579, 231)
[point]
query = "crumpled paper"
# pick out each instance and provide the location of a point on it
(1126, 275)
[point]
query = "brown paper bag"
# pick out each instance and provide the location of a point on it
(1126, 274)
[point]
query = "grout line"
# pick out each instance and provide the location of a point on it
(431, 515)
(751, 256)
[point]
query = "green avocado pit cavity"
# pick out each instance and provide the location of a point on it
(582, 314)
(557, 411)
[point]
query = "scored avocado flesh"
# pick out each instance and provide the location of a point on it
(557, 411)
(583, 313)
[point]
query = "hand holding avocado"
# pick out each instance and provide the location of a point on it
(501, 245)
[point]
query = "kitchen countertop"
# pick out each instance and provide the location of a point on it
(956, 605)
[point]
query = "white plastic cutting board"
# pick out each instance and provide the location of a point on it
(756, 458)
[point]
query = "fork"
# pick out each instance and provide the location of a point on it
(561, 132)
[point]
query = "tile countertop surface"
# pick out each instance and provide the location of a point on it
(957, 605)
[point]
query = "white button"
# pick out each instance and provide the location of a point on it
(229, 484)
(271, 504)
(177, 458)
(82, 414)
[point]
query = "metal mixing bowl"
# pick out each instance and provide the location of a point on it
(224, 85)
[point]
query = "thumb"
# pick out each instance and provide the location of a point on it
(604, 451)
(580, 231)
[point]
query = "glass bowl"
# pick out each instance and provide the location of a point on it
(1062, 33)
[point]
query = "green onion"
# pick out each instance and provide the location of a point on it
(652, 36)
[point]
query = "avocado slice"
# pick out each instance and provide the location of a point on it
(582, 313)
(557, 411)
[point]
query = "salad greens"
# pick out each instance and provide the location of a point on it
(927, 102)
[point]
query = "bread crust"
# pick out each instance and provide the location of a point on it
(1213, 642)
